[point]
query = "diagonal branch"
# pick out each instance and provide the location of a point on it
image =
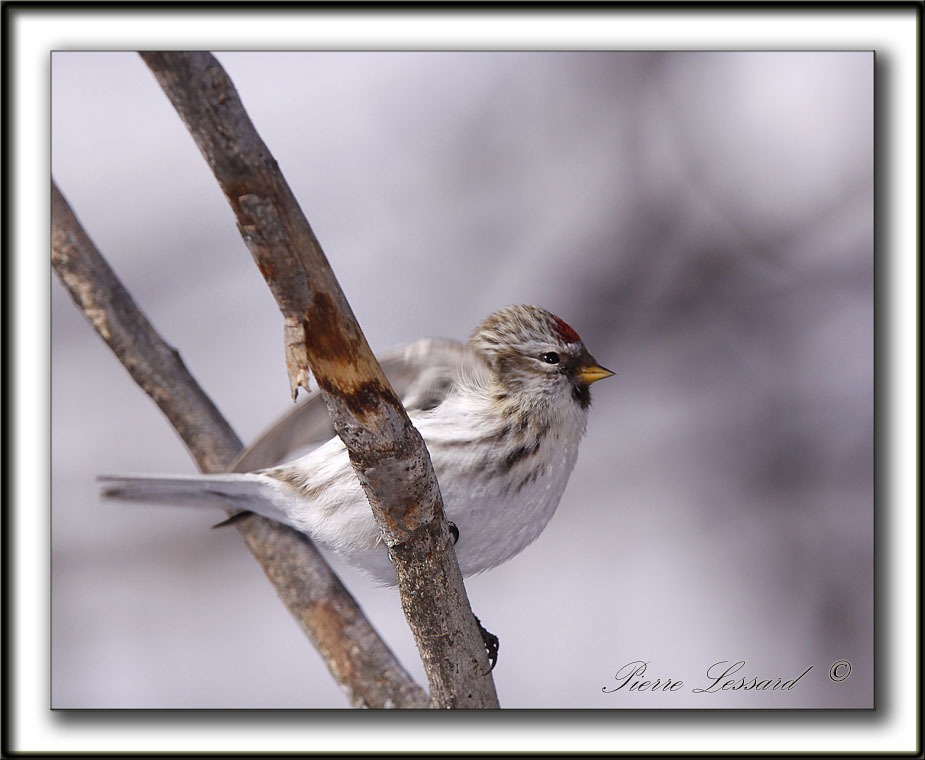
(359, 660)
(320, 332)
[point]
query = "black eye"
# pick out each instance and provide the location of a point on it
(551, 358)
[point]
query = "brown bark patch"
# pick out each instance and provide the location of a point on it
(325, 329)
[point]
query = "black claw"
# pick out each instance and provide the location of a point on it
(491, 642)
(454, 531)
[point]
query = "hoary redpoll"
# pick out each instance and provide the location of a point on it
(501, 416)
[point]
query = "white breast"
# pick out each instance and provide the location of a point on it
(499, 508)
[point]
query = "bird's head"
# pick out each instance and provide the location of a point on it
(530, 350)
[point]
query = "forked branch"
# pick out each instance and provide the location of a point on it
(359, 660)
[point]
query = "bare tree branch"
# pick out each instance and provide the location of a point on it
(359, 660)
(320, 331)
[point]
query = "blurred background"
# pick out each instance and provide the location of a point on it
(704, 220)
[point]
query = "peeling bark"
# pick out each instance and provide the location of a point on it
(361, 663)
(386, 451)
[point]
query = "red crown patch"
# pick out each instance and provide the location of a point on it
(566, 332)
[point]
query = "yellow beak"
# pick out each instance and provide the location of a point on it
(593, 373)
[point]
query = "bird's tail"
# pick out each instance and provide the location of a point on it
(256, 493)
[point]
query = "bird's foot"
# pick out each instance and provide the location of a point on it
(491, 642)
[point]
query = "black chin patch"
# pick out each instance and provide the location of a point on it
(581, 392)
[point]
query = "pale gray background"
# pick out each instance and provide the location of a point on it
(705, 221)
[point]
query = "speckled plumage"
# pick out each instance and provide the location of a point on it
(503, 437)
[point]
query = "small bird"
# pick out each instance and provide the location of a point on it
(501, 416)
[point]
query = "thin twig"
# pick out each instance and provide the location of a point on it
(320, 332)
(359, 660)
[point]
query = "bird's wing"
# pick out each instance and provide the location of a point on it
(421, 373)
